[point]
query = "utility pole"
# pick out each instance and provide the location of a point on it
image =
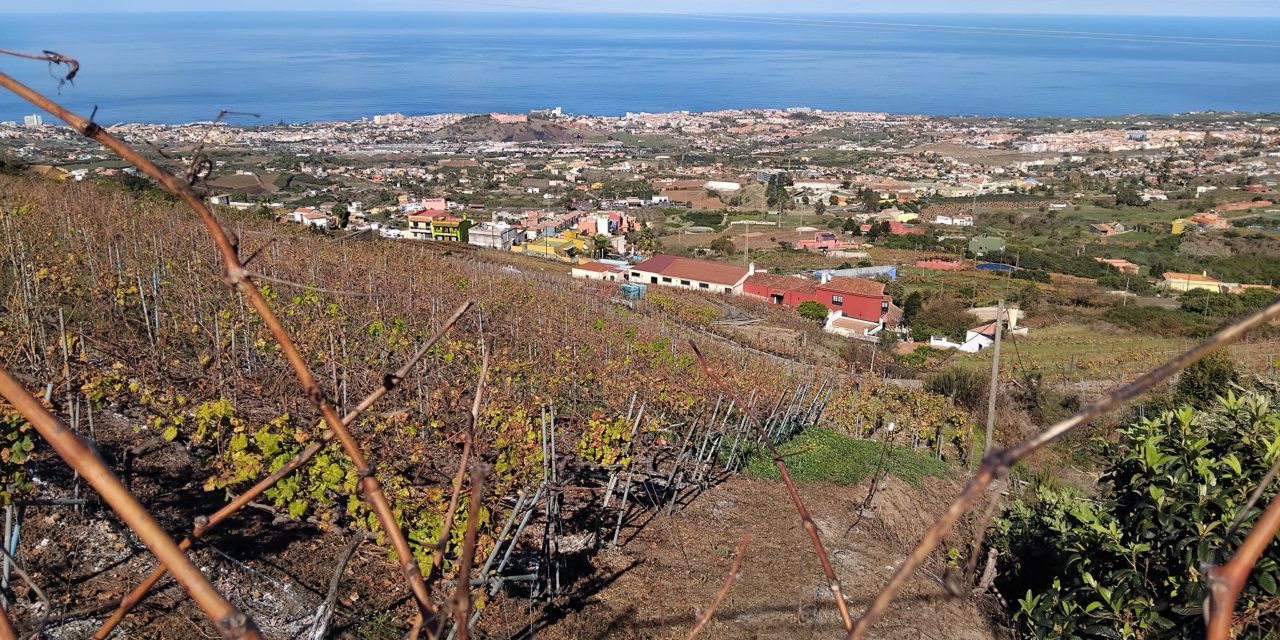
(995, 378)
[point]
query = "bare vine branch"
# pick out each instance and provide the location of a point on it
(998, 462)
(734, 569)
(809, 526)
(53, 58)
(229, 621)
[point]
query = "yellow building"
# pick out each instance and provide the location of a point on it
(1187, 281)
(565, 248)
(1178, 226)
(907, 216)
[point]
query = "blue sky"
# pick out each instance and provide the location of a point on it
(1269, 8)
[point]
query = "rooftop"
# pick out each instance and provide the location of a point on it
(854, 286)
(688, 268)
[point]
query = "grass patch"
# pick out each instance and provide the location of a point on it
(822, 455)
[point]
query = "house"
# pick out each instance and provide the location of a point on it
(1174, 281)
(839, 324)
(824, 241)
(564, 248)
(420, 223)
(493, 235)
(310, 216)
(788, 291)
(985, 244)
(975, 339)
(688, 273)
(1209, 221)
(599, 271)
(1121, 265)
(1105, 230)
(450, 229)
(855, 297)
(1177, 226)
(954, 221)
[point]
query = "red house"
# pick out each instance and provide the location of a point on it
(856, 297)
(788, 291)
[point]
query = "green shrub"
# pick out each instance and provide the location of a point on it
(1126, 564)
(1203, 381)
(810, 310)
(965, 387)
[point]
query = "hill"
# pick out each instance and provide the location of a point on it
(486, 128)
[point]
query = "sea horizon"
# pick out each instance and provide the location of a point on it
(180, 67)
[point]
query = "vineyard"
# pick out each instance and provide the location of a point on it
(367, 438)
(594, 416)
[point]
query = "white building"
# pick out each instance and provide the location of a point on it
(34, 120)
(687, 273)
(954, 221)
(493, 235)
(717, 185)
(975, 339)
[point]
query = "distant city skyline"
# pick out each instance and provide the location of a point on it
(1233, 8)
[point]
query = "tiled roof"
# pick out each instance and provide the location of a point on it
(690, 269)
(1189, 277)
(598, 267)
(854, 286)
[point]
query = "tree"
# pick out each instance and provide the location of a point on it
(645, 240)
(600, 245)
(722, 245)
(1203, 381)
(942, 315)
(870, 199)
(340, 212)
(834, 200)
(812, 310)
(911, 306)
(819, 207)
(1028, 298)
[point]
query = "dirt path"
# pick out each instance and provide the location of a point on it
(655, 584)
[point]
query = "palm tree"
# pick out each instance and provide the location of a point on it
(600, 245)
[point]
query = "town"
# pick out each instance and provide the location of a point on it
(820, 212)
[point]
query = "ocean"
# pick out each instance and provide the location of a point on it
(296, 67)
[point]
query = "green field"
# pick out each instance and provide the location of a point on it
(822, 455)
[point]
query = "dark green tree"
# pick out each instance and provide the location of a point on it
(341, 213)
(811, 310)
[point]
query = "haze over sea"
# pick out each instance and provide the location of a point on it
(297, 67)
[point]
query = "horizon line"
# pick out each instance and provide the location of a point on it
(637, 13)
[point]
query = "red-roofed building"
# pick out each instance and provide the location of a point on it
(688, 273)
(899, 229)
(788, 291)
(856, 297)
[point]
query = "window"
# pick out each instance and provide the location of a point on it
(703, 285)
(884, 306)
(684, 282)
(666, 279)
(837, 301)
(653, 279)
(728, 289)
(635, 274)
